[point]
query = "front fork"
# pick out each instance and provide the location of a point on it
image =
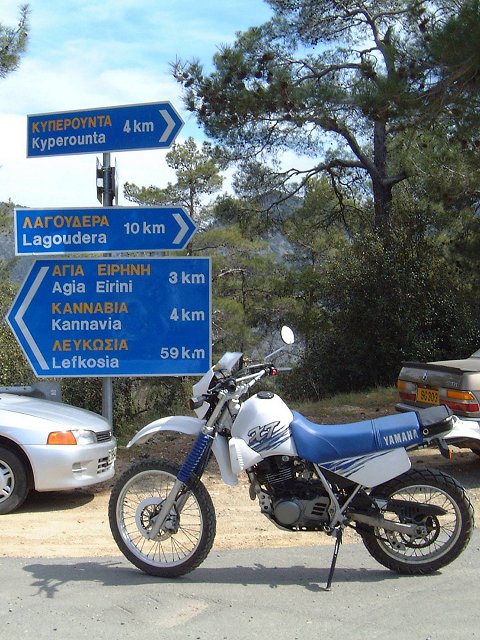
(193, 465)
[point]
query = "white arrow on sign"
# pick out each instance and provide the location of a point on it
(170, 125)
(184, 228)
(21, 323)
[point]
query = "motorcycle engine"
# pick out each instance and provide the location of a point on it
(293, 500)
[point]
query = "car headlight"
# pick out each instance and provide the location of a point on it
(75, 436)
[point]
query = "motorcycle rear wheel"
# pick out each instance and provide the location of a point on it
(444, 537)
(184, 543)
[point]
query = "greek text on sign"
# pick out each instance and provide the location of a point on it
(121, 317)
(102, 130)
(101, 230)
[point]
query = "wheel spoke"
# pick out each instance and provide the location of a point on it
(6, 482)
(440, 532)
(182, 542)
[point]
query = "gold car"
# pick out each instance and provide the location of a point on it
(454, 383)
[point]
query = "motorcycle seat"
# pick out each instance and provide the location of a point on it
(326, 442)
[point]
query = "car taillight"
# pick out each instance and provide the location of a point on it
(407, 390)
(463, 401)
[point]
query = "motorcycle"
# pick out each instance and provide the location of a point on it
(305, 476)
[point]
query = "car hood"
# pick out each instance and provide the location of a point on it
(57, 412)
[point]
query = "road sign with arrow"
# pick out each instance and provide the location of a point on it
(115, 317)
(103, 130)
(101, 230)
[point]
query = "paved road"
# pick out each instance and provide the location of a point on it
(271, 593)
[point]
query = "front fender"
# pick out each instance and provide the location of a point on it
(181, 424)
(190, 426)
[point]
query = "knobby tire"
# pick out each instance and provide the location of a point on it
(418, 556)
(137, 496)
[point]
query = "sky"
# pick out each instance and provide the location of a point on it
(86, 54)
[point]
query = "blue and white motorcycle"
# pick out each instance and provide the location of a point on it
(305, 476)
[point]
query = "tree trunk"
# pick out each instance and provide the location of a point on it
(381, 186)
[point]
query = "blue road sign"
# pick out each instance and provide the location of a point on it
(101, 230)
(115, 317)
(102, 130)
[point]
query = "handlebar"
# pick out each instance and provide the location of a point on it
(246, 378)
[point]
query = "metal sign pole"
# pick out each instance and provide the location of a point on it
(107, 383)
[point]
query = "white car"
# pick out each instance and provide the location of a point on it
(50, 446)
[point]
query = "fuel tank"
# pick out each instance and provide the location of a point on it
(263, 423)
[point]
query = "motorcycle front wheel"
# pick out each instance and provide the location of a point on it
(188, 533)
(442, 536)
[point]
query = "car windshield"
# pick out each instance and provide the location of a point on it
(476, 354)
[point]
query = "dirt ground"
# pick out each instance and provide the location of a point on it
(75, 524)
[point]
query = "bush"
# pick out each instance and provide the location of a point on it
(385, 301)
(136, 401)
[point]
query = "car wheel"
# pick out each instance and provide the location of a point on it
(13, 481)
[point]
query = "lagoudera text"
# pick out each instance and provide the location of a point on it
(65, 239)
(62, 221)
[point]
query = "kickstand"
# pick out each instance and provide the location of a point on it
(336, 549)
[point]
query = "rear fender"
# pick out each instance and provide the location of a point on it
(190, 426)
(464, 430)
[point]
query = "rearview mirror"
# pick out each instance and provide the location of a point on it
(287, 335)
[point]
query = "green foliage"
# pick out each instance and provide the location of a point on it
(136, 401)
(13, 42)
(454, 47)
(6, 216)
(356, 88)
(14, 368)
(198, 176)
(243, 286)
(83, 392)
(385, 303)
(330, 81)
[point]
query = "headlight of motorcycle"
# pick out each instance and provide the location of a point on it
(75, 436)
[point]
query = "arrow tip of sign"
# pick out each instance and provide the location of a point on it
(173, 127)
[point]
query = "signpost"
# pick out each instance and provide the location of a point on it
(110, 317)
(102, 130)
(115, 317)
(101, 230)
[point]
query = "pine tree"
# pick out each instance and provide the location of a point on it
(332, 81)
(13, 42)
